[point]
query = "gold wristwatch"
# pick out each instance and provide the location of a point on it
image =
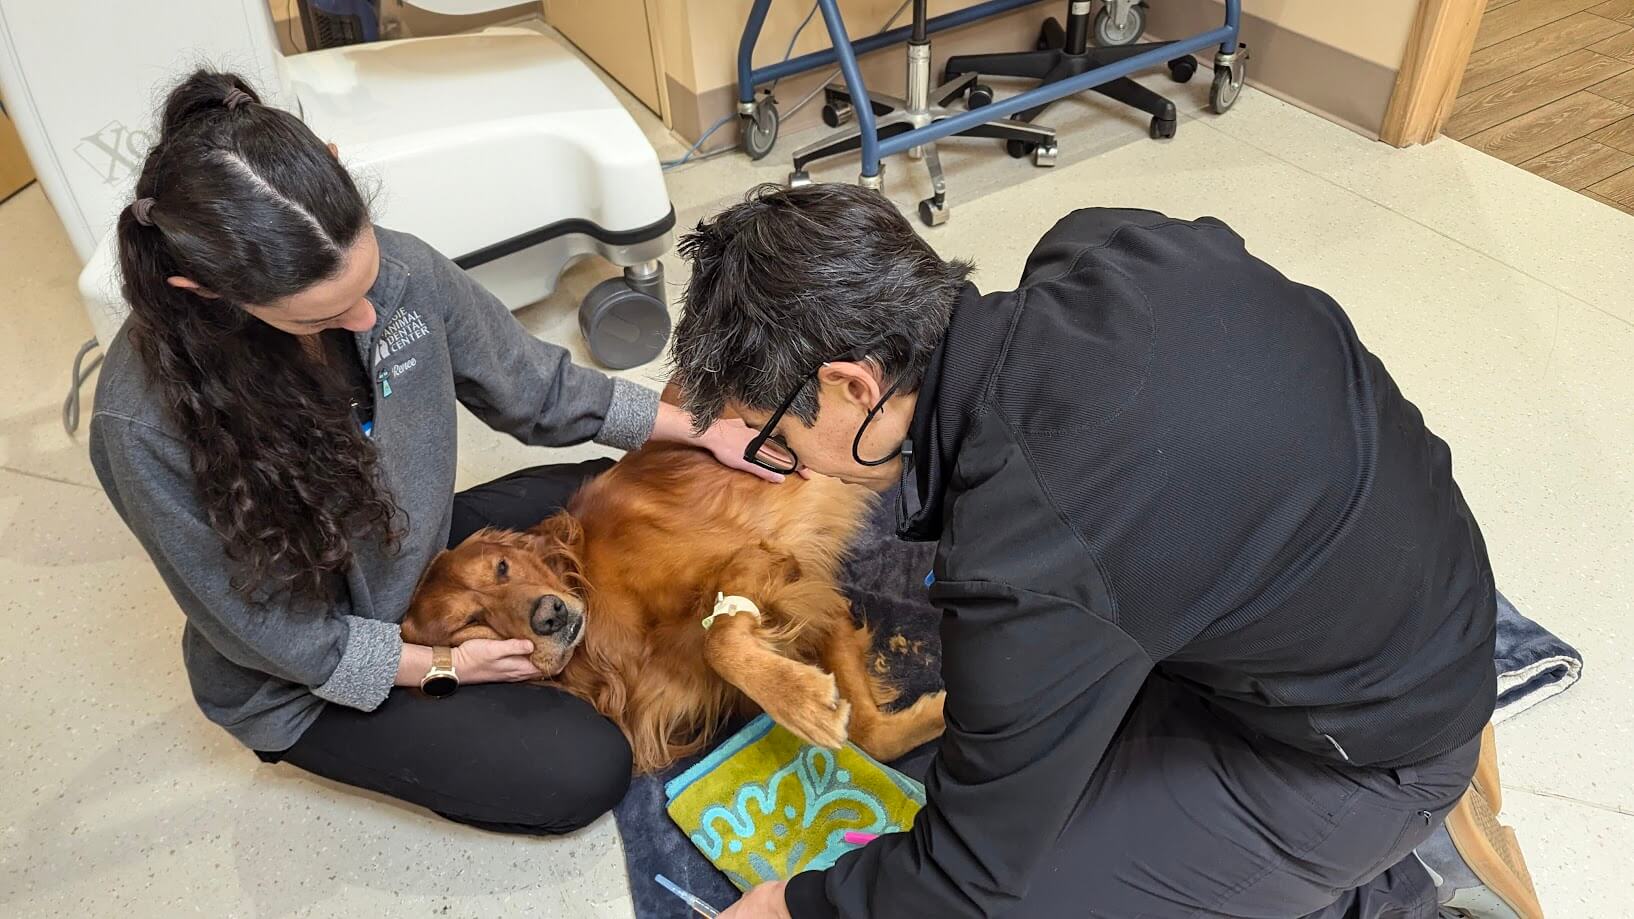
(440, 680)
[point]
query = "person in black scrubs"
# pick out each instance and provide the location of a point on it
(1218, 623)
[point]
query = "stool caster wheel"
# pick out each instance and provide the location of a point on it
(933, 212)
(980, 95)
(624, 320)
(1182, 69)
(1051, 34)
(1163, 128)
(1018, 148)
(1227, 86)
(760, 128)
(1110, 33)
(799, 178)
(836, 107)
(836, 114)
(1044, 154)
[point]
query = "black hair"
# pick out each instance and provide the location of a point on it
(249, 203)
(792, 277)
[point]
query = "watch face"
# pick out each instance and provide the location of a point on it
(440, 686)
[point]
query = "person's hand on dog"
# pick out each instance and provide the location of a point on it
(763, 902)
(487, 660)
(725, 440)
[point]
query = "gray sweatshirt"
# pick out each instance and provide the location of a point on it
(264, 672)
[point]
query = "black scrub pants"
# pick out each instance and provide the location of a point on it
(1188, 816)
(510, 757)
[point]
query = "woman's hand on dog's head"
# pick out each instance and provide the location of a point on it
(489, 660)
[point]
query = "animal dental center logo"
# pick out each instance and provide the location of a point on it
(403, 330)
(114, 152)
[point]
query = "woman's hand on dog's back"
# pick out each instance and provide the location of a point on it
(726, 439)
(480, 660)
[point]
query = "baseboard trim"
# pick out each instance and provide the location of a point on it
(1341, 87)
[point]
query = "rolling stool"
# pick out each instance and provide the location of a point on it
(924, 105)
(1064, 52)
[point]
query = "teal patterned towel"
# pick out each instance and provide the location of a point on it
(765, 806)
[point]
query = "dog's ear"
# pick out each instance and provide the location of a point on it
(426, 574)
(419, 619)
(562, 528)
(415, 632)
(559, 540)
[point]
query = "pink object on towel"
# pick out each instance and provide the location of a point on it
(859, 839)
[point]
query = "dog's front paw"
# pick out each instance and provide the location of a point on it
(812, 710)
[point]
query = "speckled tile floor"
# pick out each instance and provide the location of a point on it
(120, 800)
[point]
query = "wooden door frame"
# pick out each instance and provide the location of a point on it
(1438, 50)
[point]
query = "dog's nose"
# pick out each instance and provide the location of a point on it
(550, 615)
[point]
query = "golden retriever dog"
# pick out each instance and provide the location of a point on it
(613, 592)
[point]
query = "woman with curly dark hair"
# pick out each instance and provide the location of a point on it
(277, 425)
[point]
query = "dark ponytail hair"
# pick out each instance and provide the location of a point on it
(244, 199)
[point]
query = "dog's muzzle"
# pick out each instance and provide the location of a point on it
(553, 618)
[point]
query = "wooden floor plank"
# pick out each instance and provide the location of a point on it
(1625, 208)
(1618, 188)
(1619, 135)
(1539, 46)
(1620, 10)
(1523, 16)
(1543, 89)
(1617, 46)
(1619, 88)
(1550, 126)
(1579, 164)
(1506, 99)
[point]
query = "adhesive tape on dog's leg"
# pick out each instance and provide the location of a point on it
(731, 606)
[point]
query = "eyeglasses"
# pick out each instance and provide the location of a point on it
(771, 452)
(768, 450)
